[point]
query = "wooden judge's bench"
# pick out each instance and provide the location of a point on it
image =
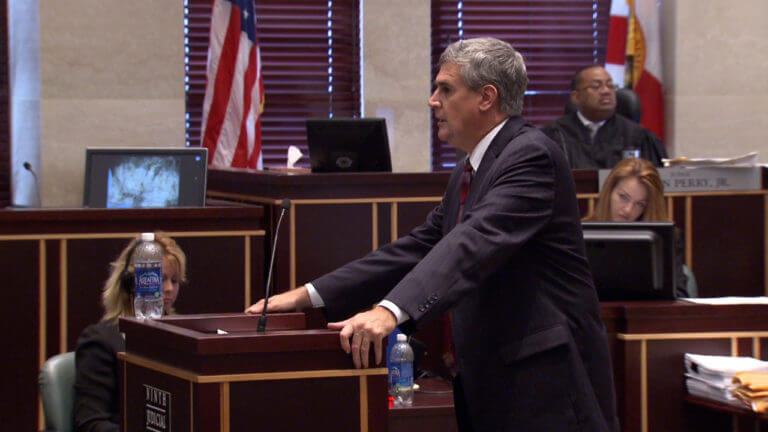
(55, 262)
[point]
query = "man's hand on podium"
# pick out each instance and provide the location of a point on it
(363, 330)
(289, 301)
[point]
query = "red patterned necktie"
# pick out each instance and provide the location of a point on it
(449, 353)
(466, 182)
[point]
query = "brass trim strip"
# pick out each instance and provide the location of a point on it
(587, 196)
(363, 404)
(247, 248)
(63, 296)
(689, 232)
(374, 226)
(126, 235)
(260, 376)
(670, 208)
(734, 347)
(307, 201)
(393, 222)
(697, 335)
(292, 248)
(42, 322)
(367, 200)
(765, 241)
(43, 306)
(644, 386)
(691, 194)
(224, 406)
(756, 348)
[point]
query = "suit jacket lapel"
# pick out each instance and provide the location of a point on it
(508, 132)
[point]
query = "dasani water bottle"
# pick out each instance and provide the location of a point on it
(148, 276)
(401, 372)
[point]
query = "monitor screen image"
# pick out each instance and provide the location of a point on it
(145, 177)
(348, 145)
(631, 260)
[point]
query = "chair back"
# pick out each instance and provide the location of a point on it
(57, 391)
(627, 104)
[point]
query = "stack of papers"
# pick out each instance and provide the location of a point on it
(711, 377)
(749, 159)
(752, 389)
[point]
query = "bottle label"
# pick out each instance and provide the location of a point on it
(401, 375)
(149, 280)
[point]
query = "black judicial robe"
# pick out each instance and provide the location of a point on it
(605, 151)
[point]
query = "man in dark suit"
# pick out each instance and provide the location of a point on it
(594, 135)
(503, 252)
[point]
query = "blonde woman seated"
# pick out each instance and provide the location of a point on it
(633, 192)
(96, 386)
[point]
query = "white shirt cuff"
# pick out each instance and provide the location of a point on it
(314, 297)
(400, 314)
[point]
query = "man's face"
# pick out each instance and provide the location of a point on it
(595, 94)
(457, 109)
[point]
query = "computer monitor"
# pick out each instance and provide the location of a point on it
(632, 260)
(131, 177)
(348, 145)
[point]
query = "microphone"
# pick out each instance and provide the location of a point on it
(262, 326)
(28, 167)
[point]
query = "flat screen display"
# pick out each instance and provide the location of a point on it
(631, 260)
(145, 177)
(348, 145)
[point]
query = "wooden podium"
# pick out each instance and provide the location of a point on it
(181, 374)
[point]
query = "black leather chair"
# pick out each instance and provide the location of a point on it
(627, 104)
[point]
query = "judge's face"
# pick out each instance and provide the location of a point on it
(628, 200)
(457, 109)
(171, 281)
(595, 94)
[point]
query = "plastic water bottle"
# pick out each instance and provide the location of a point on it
(148, 265)
(401, 372)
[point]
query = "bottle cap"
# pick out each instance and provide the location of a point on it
(148, 236)
(402, 338)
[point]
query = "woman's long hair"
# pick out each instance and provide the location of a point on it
(117, 300)
(648, 175)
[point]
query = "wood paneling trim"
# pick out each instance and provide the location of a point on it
(223, 406)
(364, 404)
(63, 293)
(262, 376)
(702, 335)
(127, 235)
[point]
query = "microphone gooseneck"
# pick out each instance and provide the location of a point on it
(285, 205)
(28, 167)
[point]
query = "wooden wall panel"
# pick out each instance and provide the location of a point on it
(20, 318)
(728, 245)
(56, 261)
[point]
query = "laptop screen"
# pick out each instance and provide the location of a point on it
(348, 145)
(145, 177)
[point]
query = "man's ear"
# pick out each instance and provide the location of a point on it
(575, 98)
(489, 97)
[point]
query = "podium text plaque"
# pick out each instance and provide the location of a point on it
(180, 374)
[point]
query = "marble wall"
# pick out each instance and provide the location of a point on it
(716, 77)
(111, 74)
(396, 72)
(94, 94)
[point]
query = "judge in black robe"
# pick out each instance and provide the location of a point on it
(594, 95)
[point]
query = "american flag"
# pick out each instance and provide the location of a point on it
(234, 93)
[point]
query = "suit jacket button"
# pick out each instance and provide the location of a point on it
(422, 308)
